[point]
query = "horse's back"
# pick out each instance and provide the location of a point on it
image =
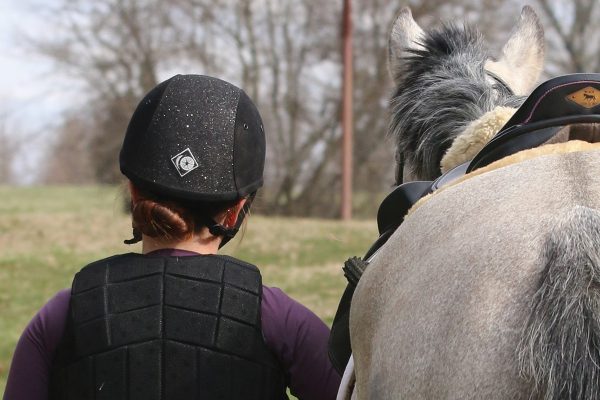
(442, 308)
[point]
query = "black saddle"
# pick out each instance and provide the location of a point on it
(556, 103)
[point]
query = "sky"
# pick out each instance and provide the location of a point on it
(26, 80)
(31, 98)
(16, 71)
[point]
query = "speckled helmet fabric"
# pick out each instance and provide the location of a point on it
(195, 137)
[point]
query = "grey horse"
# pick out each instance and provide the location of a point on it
(490, 289)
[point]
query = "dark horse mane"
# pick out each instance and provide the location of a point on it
(443, 87)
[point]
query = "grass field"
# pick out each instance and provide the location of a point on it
(47, 234)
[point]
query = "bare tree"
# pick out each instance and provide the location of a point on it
(285, 55)
(8, 151)
(69, 160)
(573, 35)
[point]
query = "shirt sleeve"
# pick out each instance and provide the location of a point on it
(29, 371)
(299, 339)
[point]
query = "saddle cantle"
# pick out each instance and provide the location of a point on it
(561, 101)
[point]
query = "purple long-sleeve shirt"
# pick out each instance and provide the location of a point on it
(296, 336)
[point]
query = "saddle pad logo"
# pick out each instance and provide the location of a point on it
(185, 162)
(587, 97)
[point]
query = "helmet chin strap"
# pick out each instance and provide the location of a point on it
(217, 229)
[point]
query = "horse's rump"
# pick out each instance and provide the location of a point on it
(450, 294)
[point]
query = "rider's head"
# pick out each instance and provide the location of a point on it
(195, 146)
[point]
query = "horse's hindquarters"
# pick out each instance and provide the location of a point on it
(441, 310)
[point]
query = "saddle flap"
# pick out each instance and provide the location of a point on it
(395, 206)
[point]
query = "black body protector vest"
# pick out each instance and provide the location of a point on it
(166, 328)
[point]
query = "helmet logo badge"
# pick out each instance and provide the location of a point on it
(184, 162)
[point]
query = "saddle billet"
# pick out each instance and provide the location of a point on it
(556, 103)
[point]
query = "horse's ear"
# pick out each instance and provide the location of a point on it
(405, 34)
(522, 57)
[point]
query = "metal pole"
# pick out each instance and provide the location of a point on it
(346, 206)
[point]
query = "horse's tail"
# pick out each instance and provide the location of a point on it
(560, 349)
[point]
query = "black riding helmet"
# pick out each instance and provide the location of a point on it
(196, 138)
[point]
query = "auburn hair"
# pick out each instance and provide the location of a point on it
(158, 217)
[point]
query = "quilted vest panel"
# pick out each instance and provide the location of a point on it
(166, 328)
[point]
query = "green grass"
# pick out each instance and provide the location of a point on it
(49, 233)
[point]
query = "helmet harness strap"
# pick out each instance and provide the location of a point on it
(217, 229)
